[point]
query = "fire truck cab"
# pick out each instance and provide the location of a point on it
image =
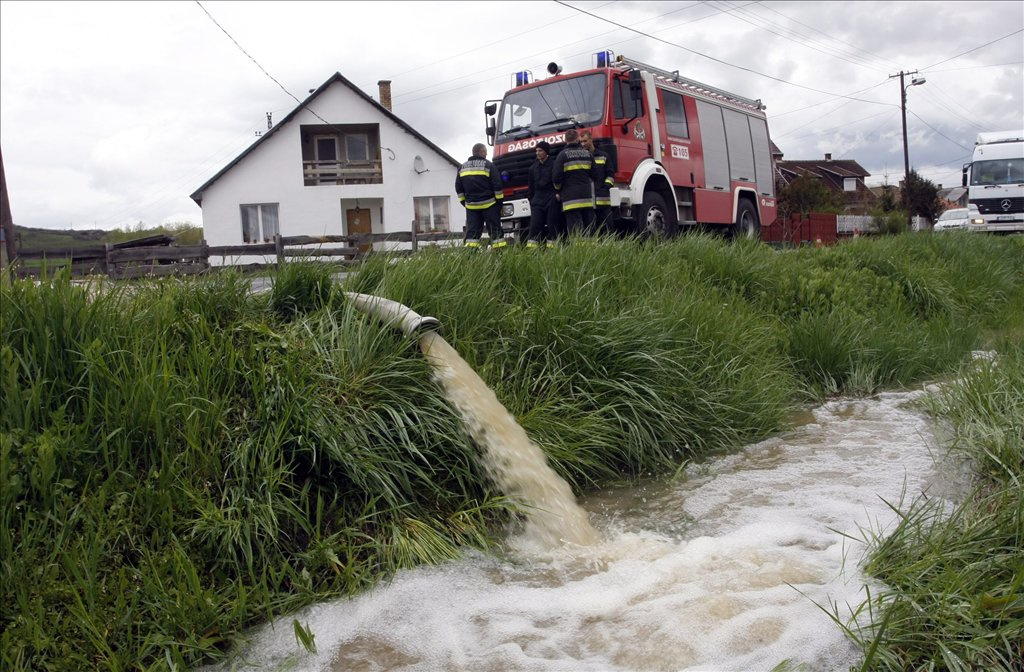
(685, 154)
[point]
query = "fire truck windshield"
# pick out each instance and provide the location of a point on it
(578, 101)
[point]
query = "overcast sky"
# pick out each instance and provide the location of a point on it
(113, 113)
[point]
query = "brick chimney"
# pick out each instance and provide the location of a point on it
(828, 157)
(385, 93)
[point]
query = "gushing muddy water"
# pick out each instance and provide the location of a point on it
(723, 569)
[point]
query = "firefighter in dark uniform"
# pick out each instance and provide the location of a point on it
(545, 211)
(604, 170)
(572, 176)
(479, 188)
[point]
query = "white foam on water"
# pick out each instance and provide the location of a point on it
(722, 571)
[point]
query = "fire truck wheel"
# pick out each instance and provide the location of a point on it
(655, 219)
(746, 225)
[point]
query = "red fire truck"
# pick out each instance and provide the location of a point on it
(686, 154)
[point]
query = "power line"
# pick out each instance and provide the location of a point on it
(826, 102)
(491, 44)
(978, 67)
(581, 41)
(804, 40)
(717, 60)
(818, 30)
(246, 52)
(966, 149)
(998, 39)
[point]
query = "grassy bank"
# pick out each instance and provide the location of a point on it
(179, 460)
(957, 577)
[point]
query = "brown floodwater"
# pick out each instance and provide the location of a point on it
(730, 566)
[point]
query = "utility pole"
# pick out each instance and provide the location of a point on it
(9, 250)
(906, 153)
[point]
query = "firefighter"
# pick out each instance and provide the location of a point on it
(604, 169)
(573, 182)
(479, 188)
(545, 213)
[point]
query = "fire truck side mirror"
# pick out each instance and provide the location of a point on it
(491, 131)
(963, 181)
(636, 85)
(490, 109)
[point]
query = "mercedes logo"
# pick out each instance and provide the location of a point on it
(1005, 204)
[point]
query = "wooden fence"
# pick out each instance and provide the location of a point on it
(155, 258)
(813, 229)
(158, 256)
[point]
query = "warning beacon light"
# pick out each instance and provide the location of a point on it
(604, 59)
(522, 77)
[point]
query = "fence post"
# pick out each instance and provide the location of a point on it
(107, 266)
(279, 247)
(414, 241)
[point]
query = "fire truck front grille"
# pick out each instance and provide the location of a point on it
(999, 206)
(516, 166)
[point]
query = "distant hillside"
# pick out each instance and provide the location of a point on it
(28, 238)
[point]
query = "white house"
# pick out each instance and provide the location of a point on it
(338, 164)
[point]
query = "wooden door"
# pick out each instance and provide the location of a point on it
(357, 221)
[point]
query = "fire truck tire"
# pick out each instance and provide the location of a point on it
(655, 220)
(746, 225)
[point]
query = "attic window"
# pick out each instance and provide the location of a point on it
(849, 184)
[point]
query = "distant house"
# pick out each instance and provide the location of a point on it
(340, 163)
(953, 197)
(845, 177)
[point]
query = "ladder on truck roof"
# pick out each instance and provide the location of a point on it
(699, 87)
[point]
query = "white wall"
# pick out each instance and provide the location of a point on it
(272, 173)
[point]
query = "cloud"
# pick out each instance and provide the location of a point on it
(114, 112)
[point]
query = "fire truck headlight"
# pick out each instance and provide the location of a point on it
(507, 210)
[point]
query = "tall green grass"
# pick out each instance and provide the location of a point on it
(956, 578)
(181, 459)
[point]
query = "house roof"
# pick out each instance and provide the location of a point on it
(842, 167)
(197, 195)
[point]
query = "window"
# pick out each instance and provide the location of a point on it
(624, 106)
(259, 222)
(357, 148)
(431, 213)
(553, 106)
(849, 184)
(326, 148)
(675, 115)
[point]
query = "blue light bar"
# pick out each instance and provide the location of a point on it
(603, 59)
(523, 77)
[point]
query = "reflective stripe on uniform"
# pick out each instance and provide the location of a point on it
(467, 173)
(576, 165)
(577, 203)
(604, 201)
(481, 205)
(472, 243)
(500, 243)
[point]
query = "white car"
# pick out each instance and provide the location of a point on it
(950, 220)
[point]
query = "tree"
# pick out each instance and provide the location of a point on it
(806, 194)
(888, 199)
(923, 197)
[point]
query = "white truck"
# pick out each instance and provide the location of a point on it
(995, 183)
